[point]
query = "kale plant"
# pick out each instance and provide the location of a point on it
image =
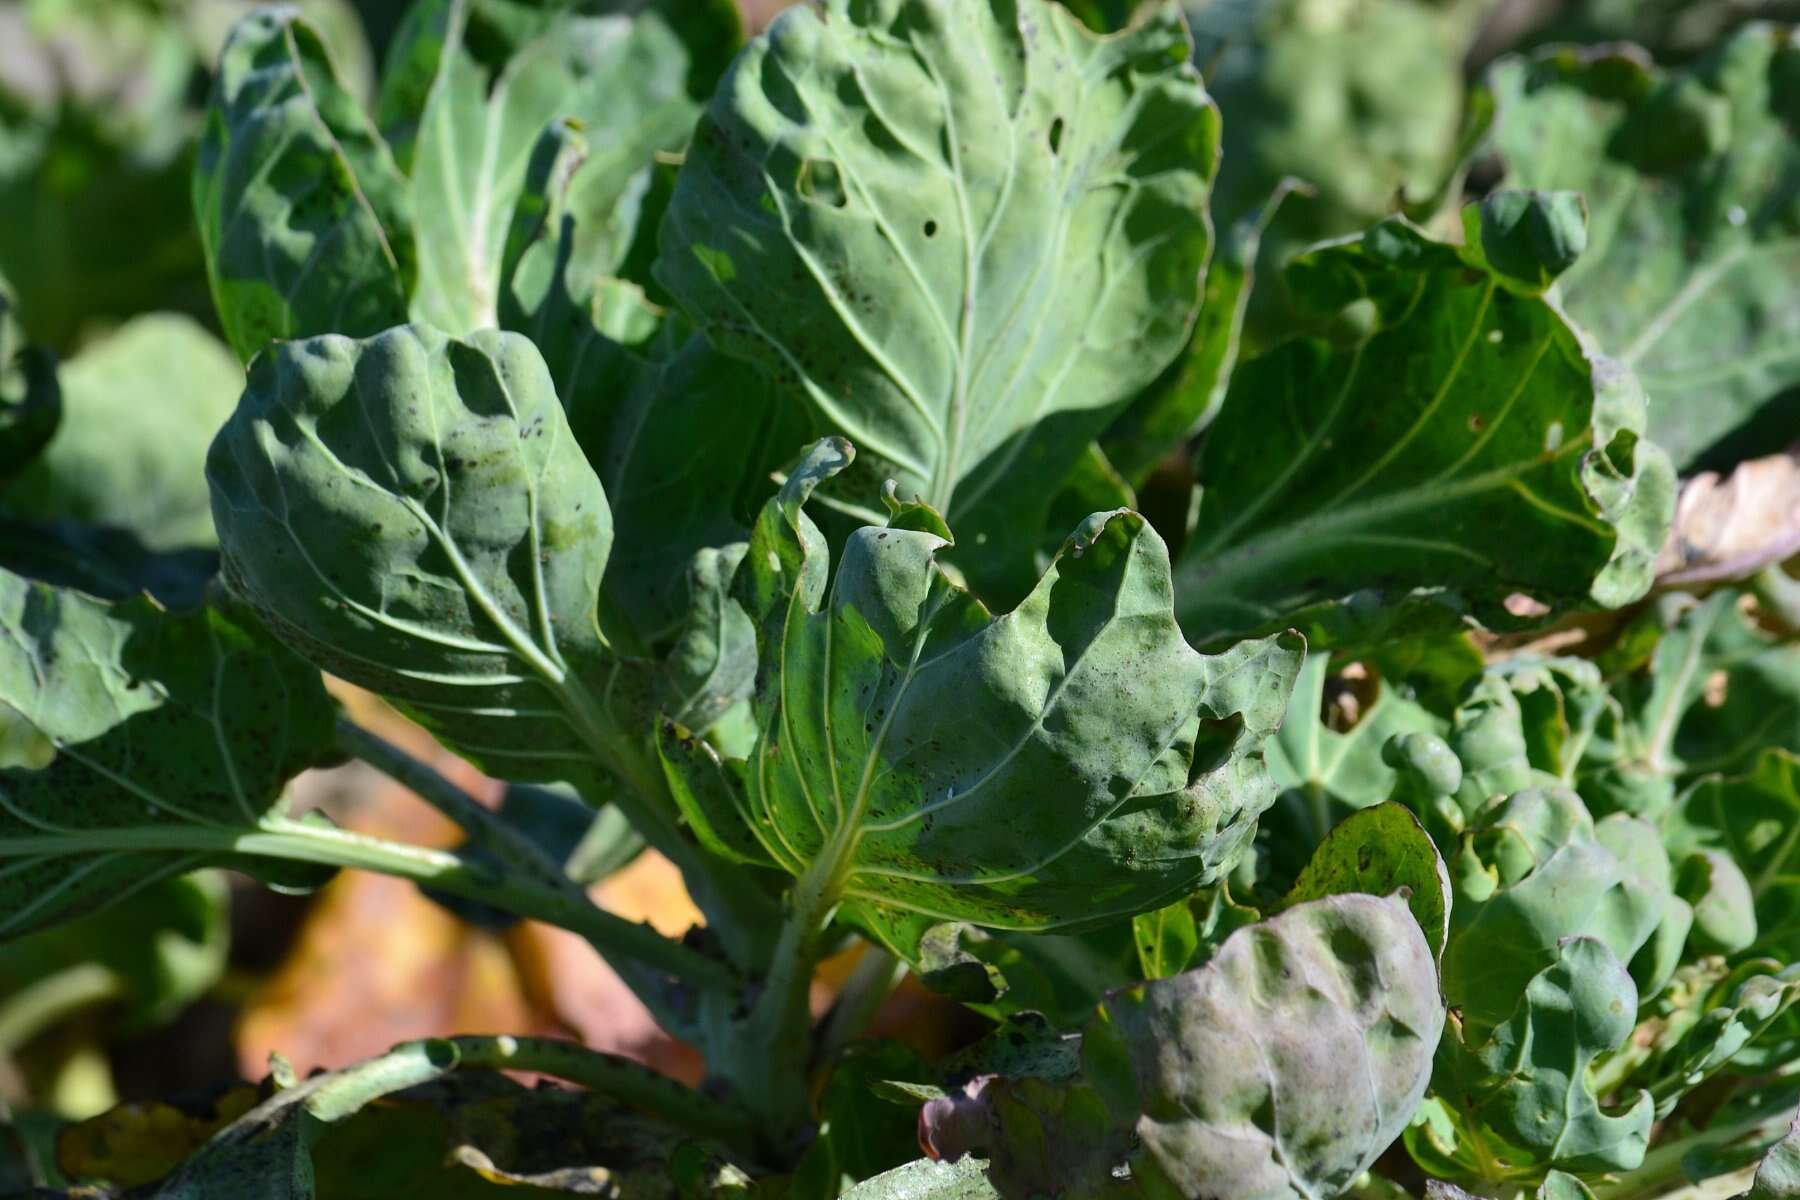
(919, 472)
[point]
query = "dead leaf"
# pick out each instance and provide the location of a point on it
(1732, 527)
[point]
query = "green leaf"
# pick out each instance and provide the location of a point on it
(495, 82)
(928, 1179)
(1535, 870)
(1359, 101)
(1692, 275)
(1778, 1174)
(138, 411)
(1710, 1024)
(168, 737)
(1522, 1096)
(110, 563)
(1187, 933)
(304, 216)
(967, 235)
(1753, 821)
(1379, 851)
(411, 513)
(1204, 1095)
(150, 958)
(30, 395)
(1465, 442)
(1070, 761)
(1324, 774)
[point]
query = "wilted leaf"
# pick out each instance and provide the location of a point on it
(967, 274)
(1732, 527)
(1693, 275)
(1069, 761)
(1466, 443)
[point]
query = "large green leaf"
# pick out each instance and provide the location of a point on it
(138, 411)
(1464, 441)
(928, 1179)
(1066, 762)
(473, 84)
(1693, 274)
(412, 514)
(302, 211)
(163, 738)
(1191, 1091)
(966, 233)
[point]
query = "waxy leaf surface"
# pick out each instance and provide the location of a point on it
(966, 233)
(302, 211)
(412, 513)
(1068, 761)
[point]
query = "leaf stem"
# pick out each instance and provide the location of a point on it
(610, 1075)
(876, 974)
(315, 842)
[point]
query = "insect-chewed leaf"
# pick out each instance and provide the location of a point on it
(968, 233)
(163, 738)
(412, 514)
(1071, 760)
(301, 209)
(1468, 443)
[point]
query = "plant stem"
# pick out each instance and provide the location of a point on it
(481, 823)
(304, 841)
(876, 974)
(33, 1009)
(610, 1075)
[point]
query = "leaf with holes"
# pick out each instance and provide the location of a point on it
(1464, 442)
(926, 761)
(966, 233)
(162, 743)
(1693, 273)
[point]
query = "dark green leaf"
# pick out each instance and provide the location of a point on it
(1379, 851)
(1467, 443)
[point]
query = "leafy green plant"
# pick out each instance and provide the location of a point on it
(839, 463)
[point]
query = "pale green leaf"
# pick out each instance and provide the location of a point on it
(304, 216)
(1752, 820)
(1693, 275)
(1292, 1096)
(138, 411)
(928, 1179)
(966, 233)
(1069, 761)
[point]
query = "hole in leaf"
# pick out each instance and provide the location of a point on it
(931, 229)
(819, 181)
(1056, 132)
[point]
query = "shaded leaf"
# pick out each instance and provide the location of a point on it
(1465, 443)
(968, 281)
(172, 736)
(1752, 821)
(138, 411)
(928, 1179)
(30, 394)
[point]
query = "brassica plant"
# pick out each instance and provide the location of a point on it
(918, 472)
